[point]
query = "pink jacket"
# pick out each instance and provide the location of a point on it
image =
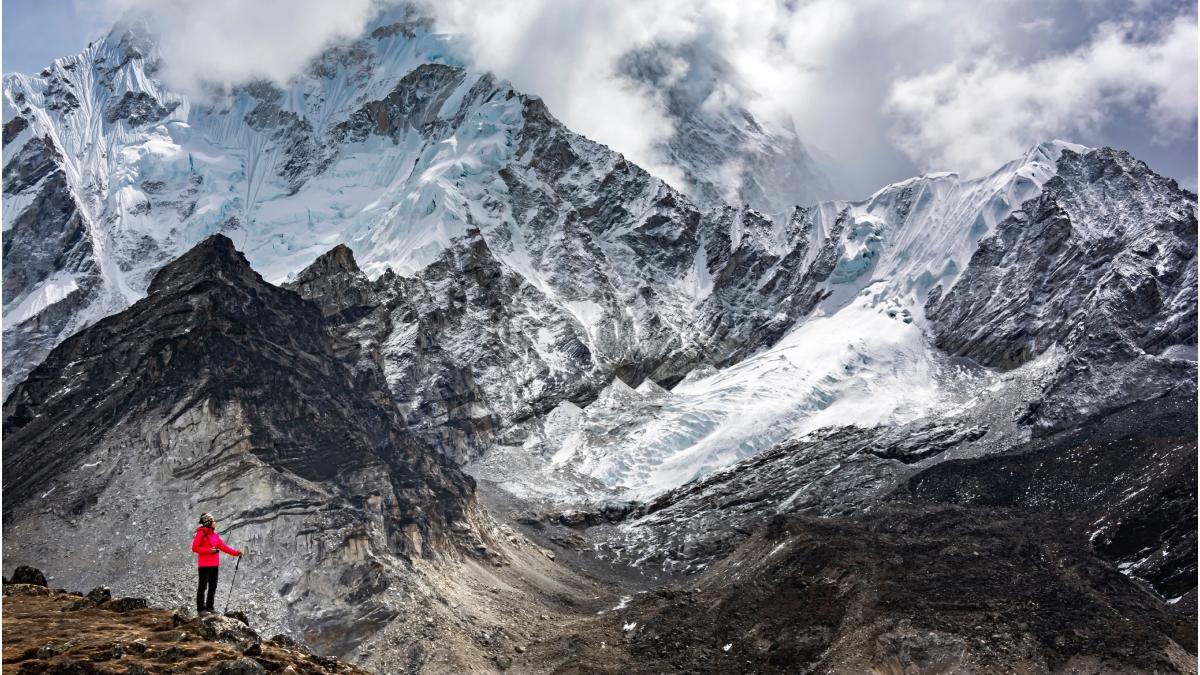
(206, 540)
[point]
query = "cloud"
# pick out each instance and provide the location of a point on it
(567, 52)
(972, 116)
(868, 82)
(886, 88)
(227, 42)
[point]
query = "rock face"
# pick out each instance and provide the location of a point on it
(1102, 266)
(390, 115)
(219, 392)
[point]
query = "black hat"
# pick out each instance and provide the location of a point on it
(206, 518)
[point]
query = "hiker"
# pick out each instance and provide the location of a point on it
(208, 546)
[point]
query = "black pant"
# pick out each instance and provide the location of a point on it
(208, 577)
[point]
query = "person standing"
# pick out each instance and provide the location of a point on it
(208, 545)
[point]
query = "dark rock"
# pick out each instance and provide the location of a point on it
(231, 631)
(183, 614)
(503, 661)
(25, 574)
(241, 666)
(49, 651)
(289, 643)
(1128, 479)
(14, 127)
(76, 605)
(99, 594)
(137, 109)
(127, 604)
(239, 615)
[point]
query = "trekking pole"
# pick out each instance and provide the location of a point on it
(232, 583)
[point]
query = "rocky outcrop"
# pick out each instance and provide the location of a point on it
(133, 637)
(138, 108)
(219, 392)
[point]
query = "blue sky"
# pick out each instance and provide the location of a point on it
(889, 89)
(38, 31)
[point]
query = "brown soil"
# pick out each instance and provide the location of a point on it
(40, 637)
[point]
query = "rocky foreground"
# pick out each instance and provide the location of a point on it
(57, 632)
(929, 589)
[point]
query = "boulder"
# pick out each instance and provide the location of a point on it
(99, 594)
(293, 644)
(228, 630)
(25, 574)
(182, 614)
(241, 666)
(239, 615)
(127, 604)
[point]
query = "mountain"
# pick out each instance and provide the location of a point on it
(387, 143)
(530, 267)
(495, 383)
(726, 154)
(218, 391)
(1080, 262)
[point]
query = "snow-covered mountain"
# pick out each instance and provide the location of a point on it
(639, 379)
(884, 344)
(387, 143)
(523, 287)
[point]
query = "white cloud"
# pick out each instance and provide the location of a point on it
(973, 115)
(884, 87)
(566, 51)
(225, 42)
